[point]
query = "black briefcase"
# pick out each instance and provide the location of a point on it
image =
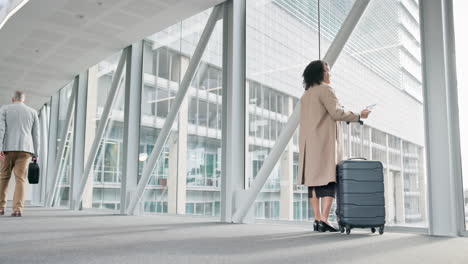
(33, 172)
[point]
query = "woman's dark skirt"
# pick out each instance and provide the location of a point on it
(328, 190)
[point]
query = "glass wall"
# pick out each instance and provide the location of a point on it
(380, 64)
(203, 123)
(280, 40)
(161, 79)
(461, 42)
(187, 177)
(103, 187)
(62, 195)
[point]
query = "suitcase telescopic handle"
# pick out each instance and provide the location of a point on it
(359, 158)
(360, 122)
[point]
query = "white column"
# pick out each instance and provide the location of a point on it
(445, 194)
(79, 134)
(399, 197)
(401, 190)
(178, 150)
(91, 121)
(172, 177)
(233, 126)
(132, 118)
(104, 120)
(54, 192)
(286, 183)
(248, 139)
(389, 182)
(44, 151)
(37, 189)
(175, 107)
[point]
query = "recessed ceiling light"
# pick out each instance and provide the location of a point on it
(100, 3)
(37, 51)
(80, 16)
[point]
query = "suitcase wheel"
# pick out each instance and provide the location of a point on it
(381, 230)
(373, 230)
(348, 230)
(342, 229)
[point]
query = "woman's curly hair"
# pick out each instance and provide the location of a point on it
(314, 73)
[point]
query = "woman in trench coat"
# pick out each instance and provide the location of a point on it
(320, 140)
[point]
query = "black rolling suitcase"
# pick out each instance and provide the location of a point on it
(360, 195)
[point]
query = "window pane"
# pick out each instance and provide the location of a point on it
(384, 52)
(202, 113)
(187, 176)
(272, 77)
(62, 196)
(164, 83)
(212, 115)
(104, 190)
(381, 58)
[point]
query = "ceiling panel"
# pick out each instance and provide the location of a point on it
(47, 42)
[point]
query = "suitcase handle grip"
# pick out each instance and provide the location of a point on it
(358, 158)
(360, 122)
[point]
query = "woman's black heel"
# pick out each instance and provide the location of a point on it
(324, 227)
(316, 225)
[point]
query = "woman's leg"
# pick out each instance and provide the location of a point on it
(315, 203)
(327, 202)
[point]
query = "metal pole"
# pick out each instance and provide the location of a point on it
(132, 118)
(233, 125)
(37, 189)
(288, 131)
(79, 134)
(114, 90)
(44, 152)
(61, 149)
(52, 153)
(445, 195)
(166, 129)
(453, 118)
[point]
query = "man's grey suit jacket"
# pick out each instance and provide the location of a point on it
(19, 128)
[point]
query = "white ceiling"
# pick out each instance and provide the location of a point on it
(47, 42)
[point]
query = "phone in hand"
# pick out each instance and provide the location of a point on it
(370, 107)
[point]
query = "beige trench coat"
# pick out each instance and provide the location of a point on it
(320, 136)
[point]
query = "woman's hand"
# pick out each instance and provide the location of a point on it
(365, 113)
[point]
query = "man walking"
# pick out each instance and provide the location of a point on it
(19, 142)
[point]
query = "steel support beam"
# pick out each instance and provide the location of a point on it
(52, 146)
(166, 129)
(61, 149)
(114, 90)
(79, 135)
(445, 191)
(132, 120)
(288, 131)
(233, 125)
(43, 158)
(37, 189)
